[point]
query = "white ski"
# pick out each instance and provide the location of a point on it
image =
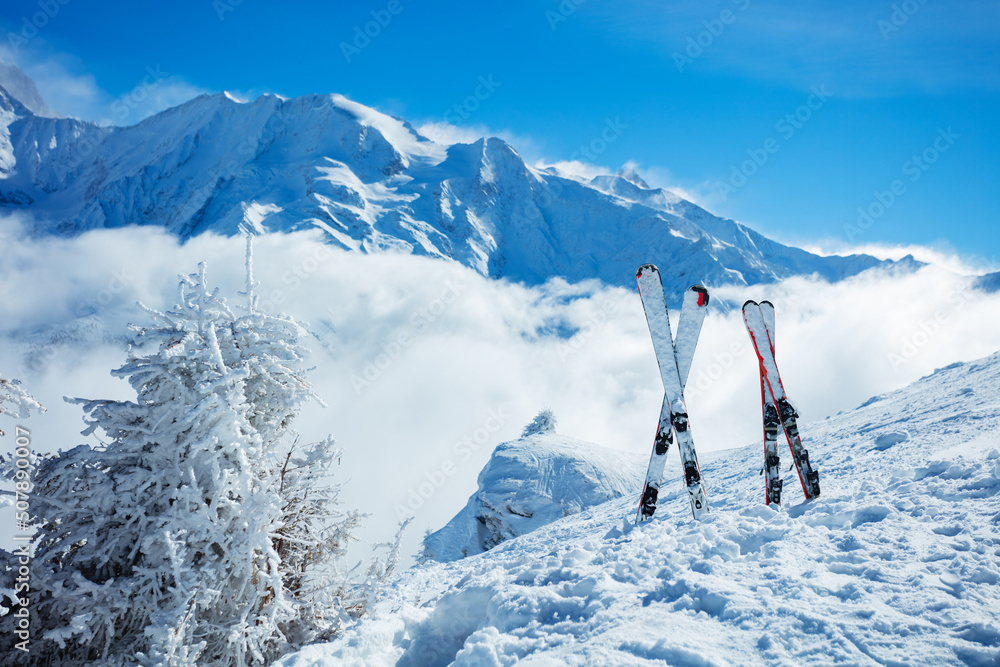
(772, 422)
(674, 357)
(774, 393)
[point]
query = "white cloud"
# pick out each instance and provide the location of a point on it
(445, 349)
(492, 351)
(661, 177)
(70, 90)
(575, 168)
(941, 255)
(837, 345)
(67, 92)
(149, 97)
(447, 133)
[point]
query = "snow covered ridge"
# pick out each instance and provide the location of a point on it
(530, 483)
(897, 563)
(372, 183)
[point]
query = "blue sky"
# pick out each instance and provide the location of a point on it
(787, 116)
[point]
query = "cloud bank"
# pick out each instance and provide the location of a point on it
(426, 365)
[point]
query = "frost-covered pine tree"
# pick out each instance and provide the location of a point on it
(188, 536)
(544, 422)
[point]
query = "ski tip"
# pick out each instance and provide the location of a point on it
(646, 268)
(702, 295)
(748, 303)
(766, 303)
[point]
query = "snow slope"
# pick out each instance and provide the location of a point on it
(373, 184)
(529, 483)
(897, 563)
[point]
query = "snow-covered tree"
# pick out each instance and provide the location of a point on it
(544, 422)
(190, 536)
(15, 401)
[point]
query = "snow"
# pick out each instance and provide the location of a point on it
(372, 183)
(254, 214)
(886, 440)
(897, 563)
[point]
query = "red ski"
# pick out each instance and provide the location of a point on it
(777, 409)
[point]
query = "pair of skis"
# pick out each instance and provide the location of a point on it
(777, 411)
(674, 356)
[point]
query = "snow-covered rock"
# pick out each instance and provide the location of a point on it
(373, 183)
(529, 483)
(897, 563)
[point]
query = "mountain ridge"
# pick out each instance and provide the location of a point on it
(373, 183)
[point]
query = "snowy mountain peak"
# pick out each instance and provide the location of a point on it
(19, 86)
(630, 174)
(12, 104)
